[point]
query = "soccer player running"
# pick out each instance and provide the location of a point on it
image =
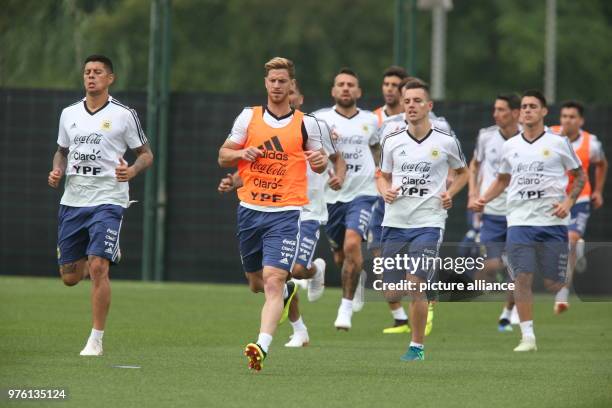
(272, 145)
(483, 171)
(588, 149)
(93, 135)
(314, 214)
(533, 168)
(415, 162)
(350, 208)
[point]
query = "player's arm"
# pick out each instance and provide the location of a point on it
(317, 160)
(460, 179)
(473, 182)
(375, 149)
(144, 160)
(496, 188)
(60, 161)
(231, 153)
(386, 188)
(337, 176)
(601, 173)
(563, 208)
(229, 182)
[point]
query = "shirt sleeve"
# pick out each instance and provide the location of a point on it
(456, 159)
(62, 137)
(238, 134)
(569, 159)
(479, 151)
(134, 135)
(314, 133)
(386, 158)
(326, 139)
(596, 153)
(504, 163)
(374, 135)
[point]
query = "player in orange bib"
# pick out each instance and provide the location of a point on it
(588, 149)
(271, 146)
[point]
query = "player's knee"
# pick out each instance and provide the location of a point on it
(70, 274)
(98, 269)
(552, 286)
(352, 247)
(573, 237)
(299, 271)
(338, 258)
(523, 281)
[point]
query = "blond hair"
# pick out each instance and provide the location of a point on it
(280, 63)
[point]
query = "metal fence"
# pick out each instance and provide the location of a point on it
(200, 240)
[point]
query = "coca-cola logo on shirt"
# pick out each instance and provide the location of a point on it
(273, 169)
(420, 167)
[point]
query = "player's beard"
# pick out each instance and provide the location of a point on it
(346, 103)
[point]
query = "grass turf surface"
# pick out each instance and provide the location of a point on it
(188, 341)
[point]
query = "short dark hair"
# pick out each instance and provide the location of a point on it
(395, 70)
(100, 58)
(536, 94)
(512, 99)
(347, 71)
(413, 83)
(574, 104)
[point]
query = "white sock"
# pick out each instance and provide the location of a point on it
(417, 345)
(506, 314)
(527, 329)
(96, 334)
(399, 314)
(347, 305)
(562, 295)
(299, 326)
(264, 340)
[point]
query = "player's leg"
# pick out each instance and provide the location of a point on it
(418, 319)
(255, 280)
(72, 241)
(553, 257)
(492, 236)
(299, 338)
(305, 267)
(73, 272)
(100, 290)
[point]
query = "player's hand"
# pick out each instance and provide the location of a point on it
(315, 158)
(123, 172)
(478, 205)
(447, 201)
(227, 184)
(391, 194)
(334, 182)
(472, 203)
(55, 176)
(597, 200)
(562, 209)
(250, 154)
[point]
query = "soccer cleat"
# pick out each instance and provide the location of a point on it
(504, 326)
(255, 354)
(343, 321)
(430, 316)
(359, 298)
(400, 326)
(413, 353)
(316, 285)
(527, 344)
(560, 307)
(92, 348)
(292, 289)
(298, 339)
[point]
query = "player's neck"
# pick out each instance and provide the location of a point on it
(349, 112)
(533, 132)
(279, 109)
(572, 137)
(509, 131)
(393, 110)
(419, 129)
(96, 101)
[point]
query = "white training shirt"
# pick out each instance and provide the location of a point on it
(596, 154)
(355, 136)
(238, 135)
(96, 141)
(316, 209)
(538, 178)
(488, 153)
(420, 167)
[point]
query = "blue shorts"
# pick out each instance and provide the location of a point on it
(580, 214)
(309, 236)
(268, 238)
(538, 249)
(354, 215)
(375, 228)
(493, 230)
(84, 231)
(417, 243)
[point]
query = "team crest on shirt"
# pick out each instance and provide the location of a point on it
(435, 153)
(366, 128)
(546, 152)
(106, 124)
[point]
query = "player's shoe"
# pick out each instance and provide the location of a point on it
(92, 348)
(527, 344)
(316, 285)
(298, 339)
(430, 316)
(413, 353)
(255, 354)
(343, 321)
(292, 289)
(359, 298)
(560, 307)
(400, 326)
(301, 283)
(504, 326)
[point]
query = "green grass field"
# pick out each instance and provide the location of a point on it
(188, 340)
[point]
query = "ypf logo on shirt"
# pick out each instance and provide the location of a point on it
(106, 124)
